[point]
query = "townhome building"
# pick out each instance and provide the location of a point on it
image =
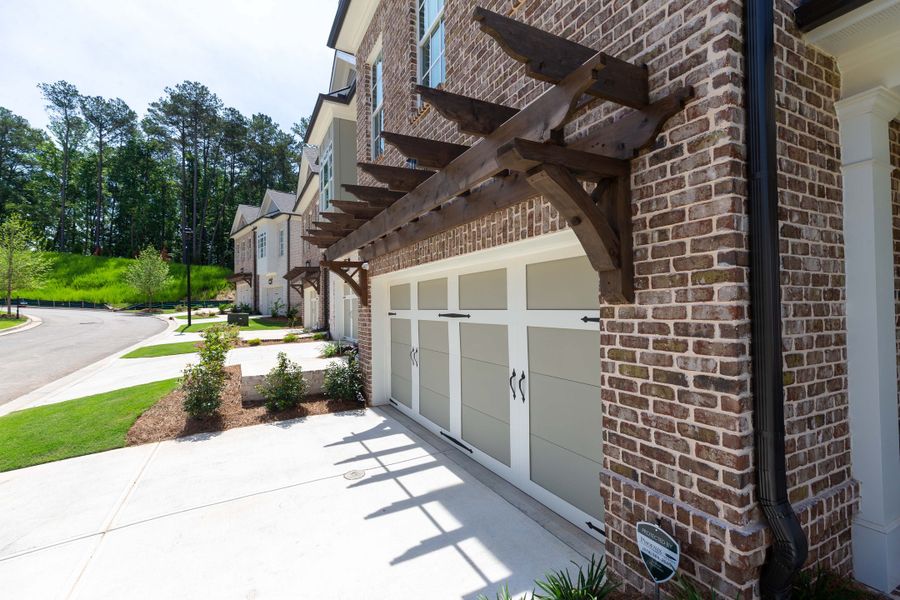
(262, 237)
(640, 259)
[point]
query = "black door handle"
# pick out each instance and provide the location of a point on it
(410, 357)
(511, 388)
(416, 356)
(521, 391)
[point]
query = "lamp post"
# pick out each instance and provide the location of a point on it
(188, 244)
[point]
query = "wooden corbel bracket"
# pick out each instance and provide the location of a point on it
(347, 270)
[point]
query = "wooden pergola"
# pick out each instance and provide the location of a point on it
(519, 154)
(241, 276)
(300, 277)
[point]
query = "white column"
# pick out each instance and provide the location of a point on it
(871, 333)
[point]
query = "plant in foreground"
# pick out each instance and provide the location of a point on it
(320, 335)
(590, 584)
(254, 342)
(290, 338)
(343, 380)
(203, 383)
(333, 349)
(284, 386)
(822, 584)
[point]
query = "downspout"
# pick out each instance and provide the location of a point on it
(789, 549)
(254, 300)
(288, 252)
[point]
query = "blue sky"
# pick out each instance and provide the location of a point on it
(258, 55)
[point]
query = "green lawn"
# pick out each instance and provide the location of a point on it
(162, 350)
(6, 323)
(102, 279)
(194, 317)
(75, 427)
(255, 325)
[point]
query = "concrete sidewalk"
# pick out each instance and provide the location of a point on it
(126, 372)
(351, 505)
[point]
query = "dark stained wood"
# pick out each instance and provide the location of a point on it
(494, 195)
(323, 235)
(377, 196)
(625, 137)
(347, 270)
(550, 111)
(401, 179)
(524, 155)
(472, 116)
(427, 153)
(338, 228)
(342, 219)
(551, 58)
(306, 276)
(359, 210)
(241, 277)
(317, 241)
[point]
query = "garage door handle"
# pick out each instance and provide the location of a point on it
(416, 356)
(521, 391)
(511, 388)
(455, 315)
(410, 357)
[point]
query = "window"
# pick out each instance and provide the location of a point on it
(261, 244)
(281, 243)
(326, 177)
(431, 42)
(377, 107)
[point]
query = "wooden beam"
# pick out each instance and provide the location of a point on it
(627, 136)
(550, 58)
(495, 195)
(597, 236)
(342, 219)
(347, 270)
(396, 178)
(317, 241)
(323, 235)
(472, 116)
(359, 210)
(338, 228)
(374, 195)
(427, 153)
(524, 155)
(550, 111)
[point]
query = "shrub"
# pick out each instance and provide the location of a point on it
(225, 308)
(277, 307)
(822, 584)
(592, 584)
(292, 313)
(321, 335)
(284, 386)
(203, 383)
(242, 308)
(254, 342)
(334, 349)
(290, 338)
(343, 380)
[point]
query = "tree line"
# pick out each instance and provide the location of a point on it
(103, 181)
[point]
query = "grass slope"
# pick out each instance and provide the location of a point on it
(102, 279)
(75, 427)
(255, 325)
(163, 350)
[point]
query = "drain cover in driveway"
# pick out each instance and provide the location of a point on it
(355, 474)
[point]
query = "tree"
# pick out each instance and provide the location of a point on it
(109, 120)
(22, 265)
(66, 124)
(18, 161)
(148, 274)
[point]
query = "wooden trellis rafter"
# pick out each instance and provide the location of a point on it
(347, 270)
(241, 276)
(519, 154)
(300, 277)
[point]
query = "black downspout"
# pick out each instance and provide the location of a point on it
(788, 552)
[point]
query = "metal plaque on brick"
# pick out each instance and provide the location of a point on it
(659, 551)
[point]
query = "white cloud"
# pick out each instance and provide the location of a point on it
(264, 56)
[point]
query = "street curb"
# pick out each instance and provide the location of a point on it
(31, 323)
(72, 379)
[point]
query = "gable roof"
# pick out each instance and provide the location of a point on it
(244, 215)
(274, 203)
(280, 201)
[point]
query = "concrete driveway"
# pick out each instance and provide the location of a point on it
(277, 511)
(67, 340)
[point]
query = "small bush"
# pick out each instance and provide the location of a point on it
(334, 349)
(284, 386)
(277, 308)
(592, 584)
(822, 584)
(290, 338)
(203, 383)
(321, 335)
(242, 308)
(292, 313)
(343, 380)
(254, 342)
(226, 308)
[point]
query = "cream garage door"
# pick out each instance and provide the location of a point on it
(504, 361)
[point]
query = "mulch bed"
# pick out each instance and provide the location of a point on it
(167, 420)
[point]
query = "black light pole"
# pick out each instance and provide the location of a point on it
(188, 238)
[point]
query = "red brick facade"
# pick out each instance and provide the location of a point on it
(678, 421)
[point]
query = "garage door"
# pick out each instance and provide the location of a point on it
(503, 359)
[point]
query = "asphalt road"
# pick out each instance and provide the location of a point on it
(66, 341)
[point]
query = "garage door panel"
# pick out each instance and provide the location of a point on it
(400, 297)
(432, 294)
(483, 291)
(485, 343)
(434, 371)
(401, 390)
(566, 284)
(568, 414)
(401, 331)
(485, 388)
(434, 335)
(400, 362)
(570, 476)
(486, 433)
(565, 353)
(435, 407)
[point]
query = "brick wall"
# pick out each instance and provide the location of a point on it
(677, 427)
(894, 134)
